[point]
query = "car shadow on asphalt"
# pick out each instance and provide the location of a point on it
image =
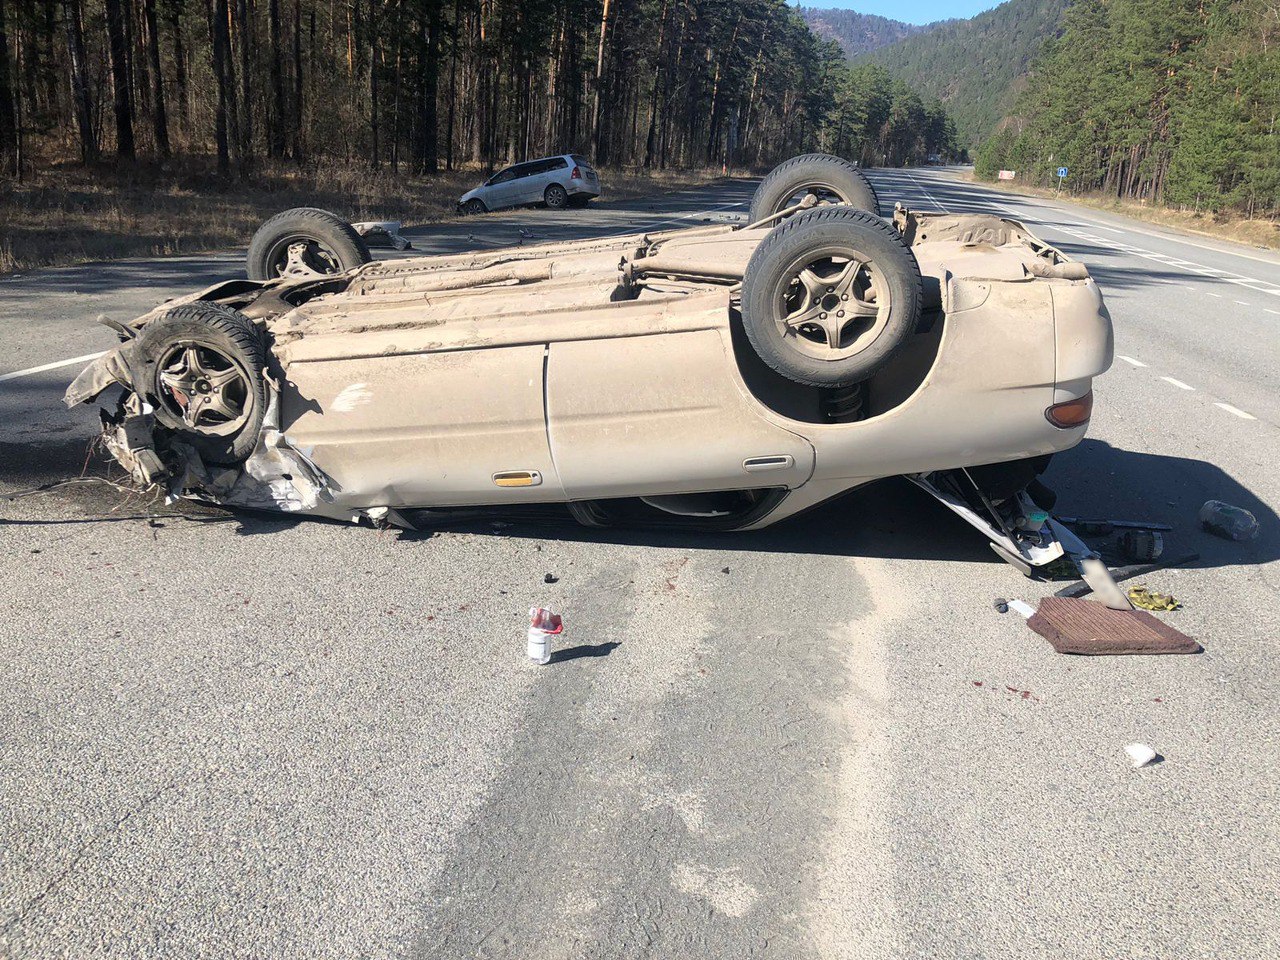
(893, 519)
(890, 519)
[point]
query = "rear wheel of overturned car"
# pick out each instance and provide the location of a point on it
(207, 383)
(827, 179)
(556, 196)
(305, 240)
(830, 295)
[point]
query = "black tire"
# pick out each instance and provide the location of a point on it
(555, 196)
(334, 245)
(834, 178)
(830, 295)
(474, 207)
(225, 343)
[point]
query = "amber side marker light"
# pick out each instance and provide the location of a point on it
(1071, 413)
(518, 478)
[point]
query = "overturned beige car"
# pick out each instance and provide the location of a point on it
(722, 377)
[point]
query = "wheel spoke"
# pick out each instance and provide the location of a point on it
(843, 281)
(179, 382)
(814, 285)
(195, 366)
(805, 316)
(219, 404)
(195, 406)
(833, 327)
(857, 307)
(220, 378)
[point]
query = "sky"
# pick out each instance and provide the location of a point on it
(910, 11)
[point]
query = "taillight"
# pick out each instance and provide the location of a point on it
(1071, 413)
(576, 175)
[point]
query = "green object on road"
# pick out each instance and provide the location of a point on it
(1140, 596)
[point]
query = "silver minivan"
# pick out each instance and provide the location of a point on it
(559, 182)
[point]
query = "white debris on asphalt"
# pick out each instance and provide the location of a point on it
(1140, 754)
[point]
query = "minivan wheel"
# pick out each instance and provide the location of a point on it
(556, 196)
(830, 295)
(829, 179)
(474, 207)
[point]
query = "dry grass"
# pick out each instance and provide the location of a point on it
(72, 215)
(1264, 234)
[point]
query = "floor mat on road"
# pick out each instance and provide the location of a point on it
(1091, 629)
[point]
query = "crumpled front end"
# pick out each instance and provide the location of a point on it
(274, 476)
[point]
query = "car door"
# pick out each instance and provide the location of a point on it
(446, 428)
(662, 414)
(502, 188)
(531, 177)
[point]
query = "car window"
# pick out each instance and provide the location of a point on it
(506, 176)
(557, 163)
(581, 160)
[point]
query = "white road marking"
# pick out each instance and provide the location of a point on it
(51, 366)
(1236, 411)
(1177, 383)
(1136, 363)
(1214, 295)
(1242, 303)
(1268, 310)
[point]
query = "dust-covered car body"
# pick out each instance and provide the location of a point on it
(614, 376)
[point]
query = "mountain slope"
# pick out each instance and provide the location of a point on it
(975, 67)
(856, 33)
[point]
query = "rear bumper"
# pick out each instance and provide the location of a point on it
(582, 188)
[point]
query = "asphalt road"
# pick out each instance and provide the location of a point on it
(248, 736)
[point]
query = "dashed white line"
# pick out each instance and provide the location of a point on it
(1131, 360)
(1214, 295)
(1235, 411)
(1177, 383)
(51, 366)
(1243, 303)
(1269, 310)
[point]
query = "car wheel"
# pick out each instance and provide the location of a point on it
(474, 207)
(830, 180)
(830, 295)
(305, 239)
(207, 382)
(556, 196)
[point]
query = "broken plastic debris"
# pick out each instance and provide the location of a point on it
(543, 625)
(1018, 606)
(1140, 754)
(1224, 520)
(1002, 605)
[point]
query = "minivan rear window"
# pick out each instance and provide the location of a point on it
(581, 160)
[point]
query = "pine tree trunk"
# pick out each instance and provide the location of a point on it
(297, 76)
(179, 64)
(245, 35)
(220, 56)
(595, 103)
(453, 88)
(122, 102)
(79, 82)
(159, 119)
(8, 118)
(275, 73)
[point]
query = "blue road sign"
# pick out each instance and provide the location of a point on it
(1062, 172)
